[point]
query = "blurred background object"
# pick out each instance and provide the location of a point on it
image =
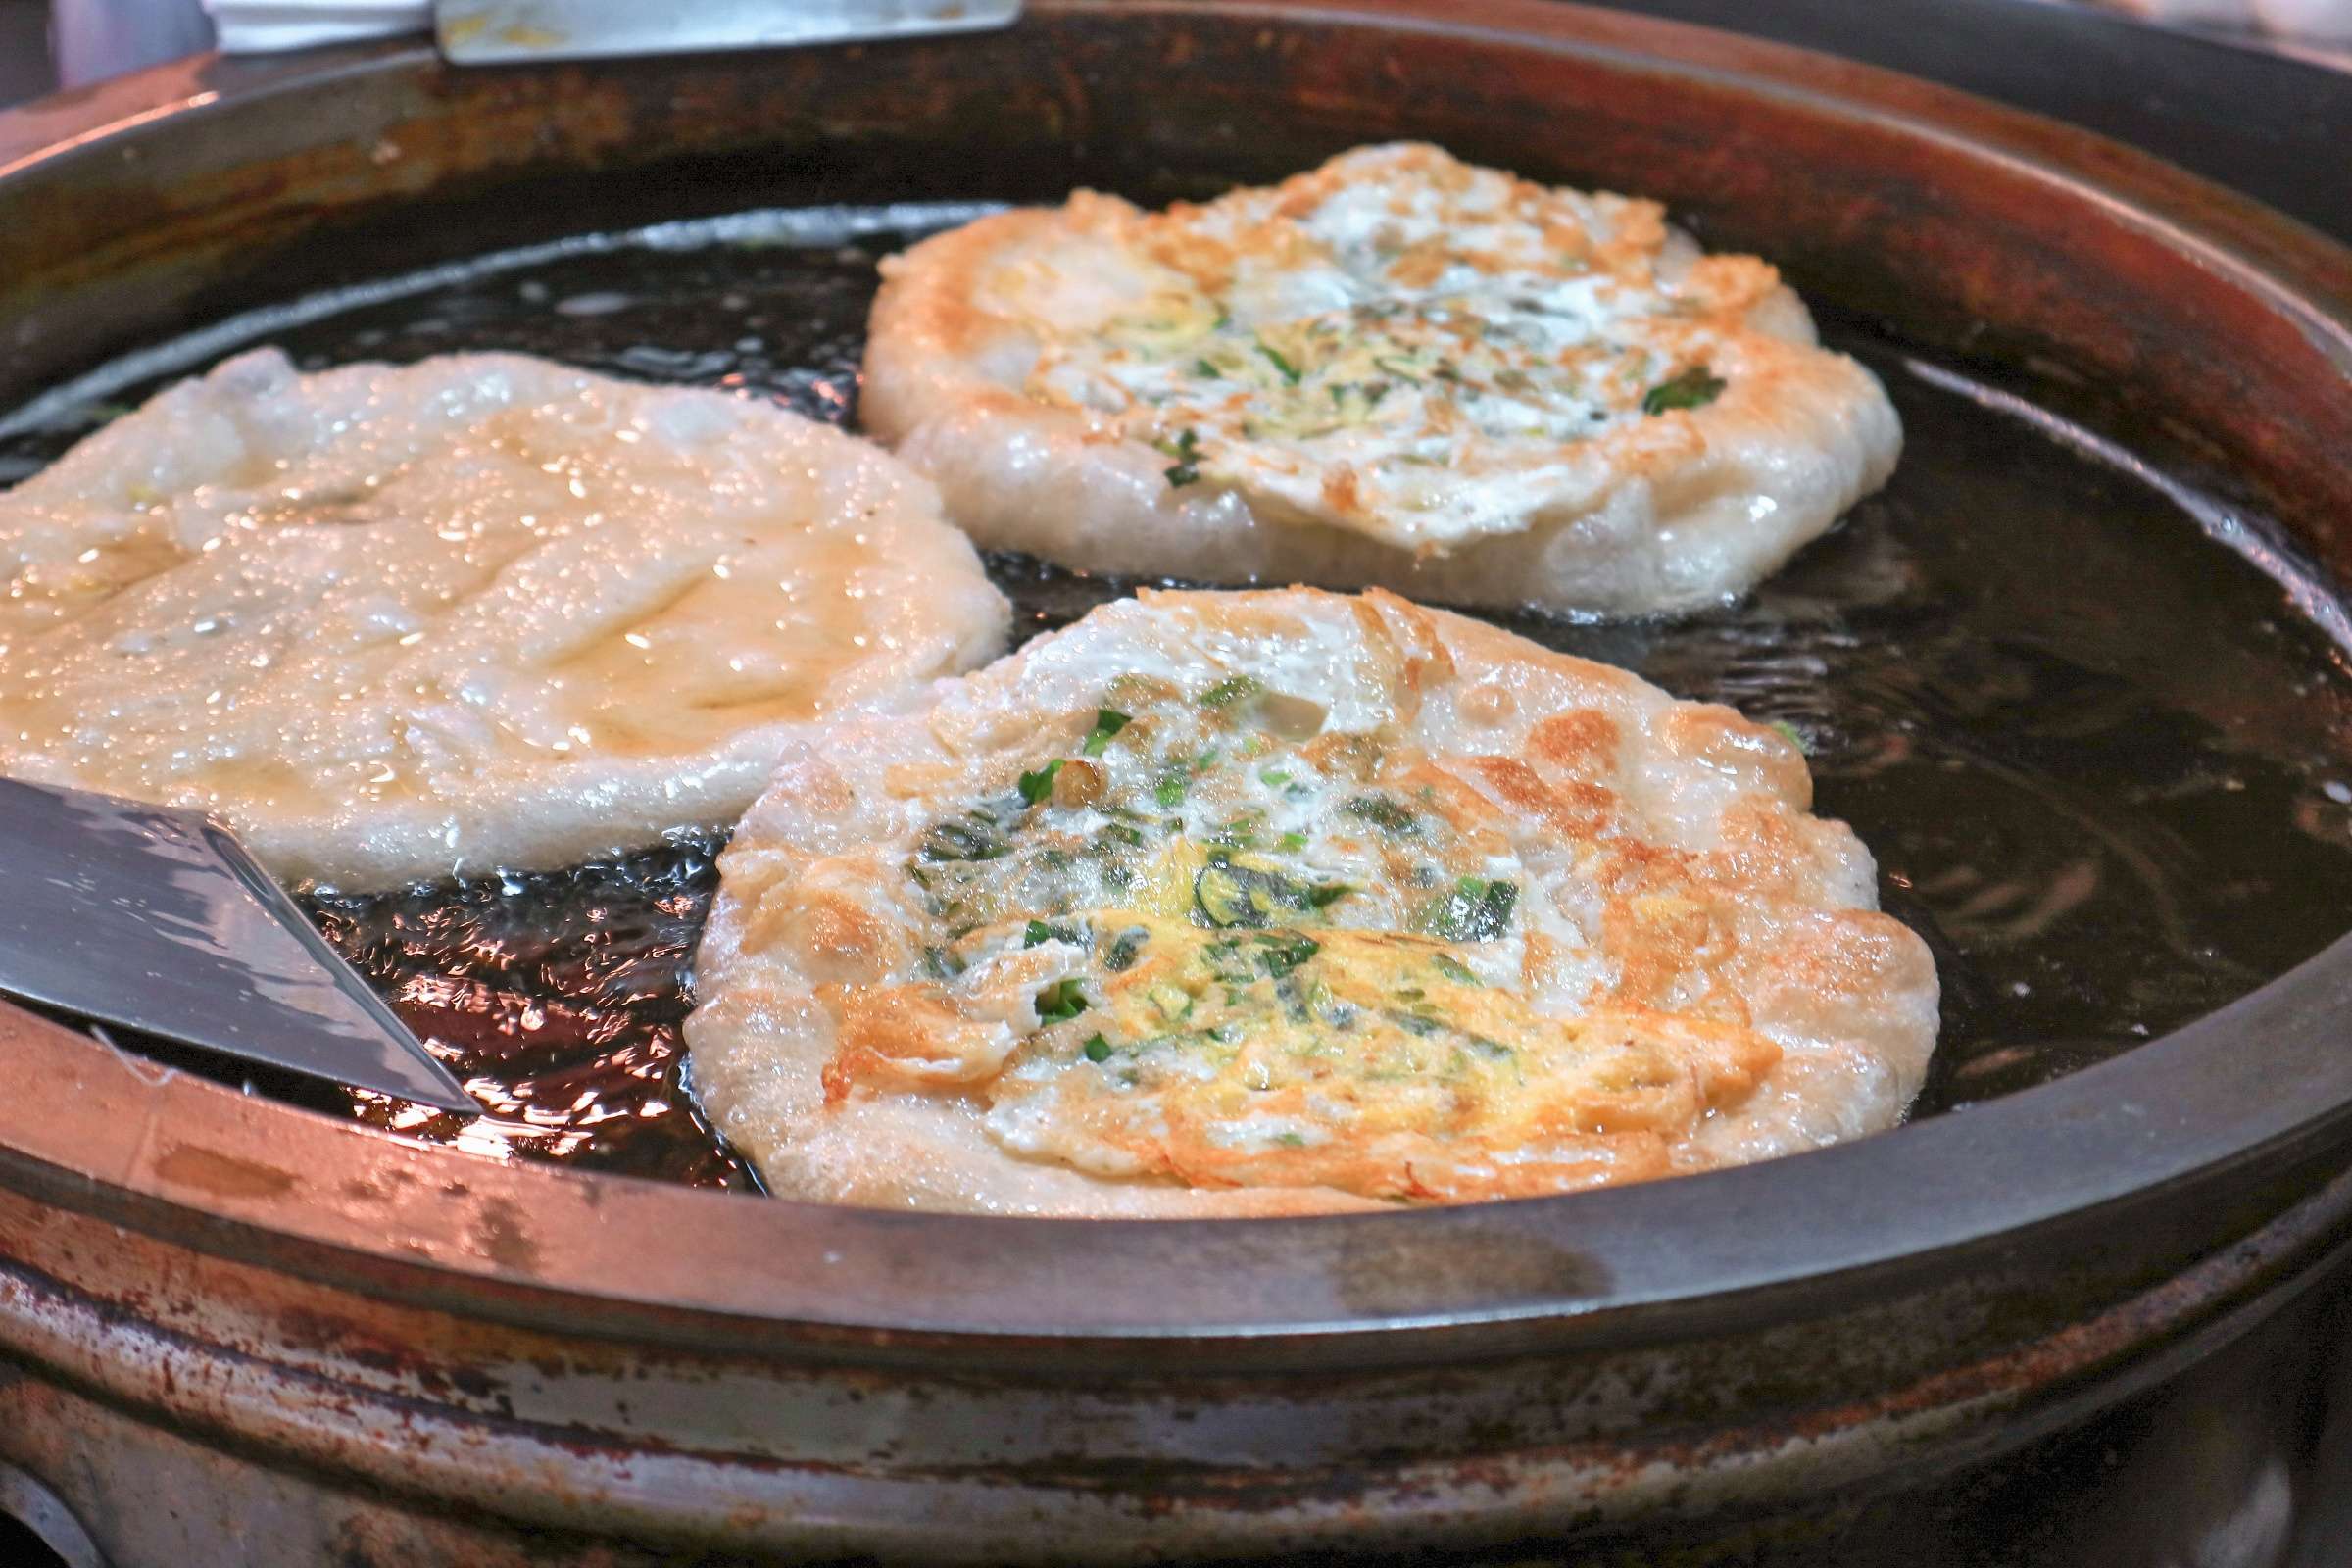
(265, 26)
(94, 40)
(47, 43)
(2308, 21)
(25, 69)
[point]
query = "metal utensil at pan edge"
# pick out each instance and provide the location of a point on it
(157, 920)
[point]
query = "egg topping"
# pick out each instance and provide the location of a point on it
(1208, 942)
(1399, 342)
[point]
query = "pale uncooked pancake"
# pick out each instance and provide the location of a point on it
(1398, 369)
(1255, 903)
(479, 611)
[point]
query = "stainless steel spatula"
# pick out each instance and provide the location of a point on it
(158, 920)
(511, 31)
(524, 32)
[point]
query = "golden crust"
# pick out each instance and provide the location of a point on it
(1394, 370)
(1353, 902)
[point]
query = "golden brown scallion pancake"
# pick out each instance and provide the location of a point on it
(1250, 902)
(1397, 369)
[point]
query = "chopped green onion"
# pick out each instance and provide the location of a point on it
(1232, 689)
(1035, 786)
(1224, 899)
(1186, 450)
(1381, 811)
(1124, 948)
(1454, 969)
(1285, 951)
(1061, 1002)
(1107, 722)
(1241, 833)
(1693, 388)
(970, 839)
(1290, 372)
(1476, 910)
(1098, 1049)
(1230, 894)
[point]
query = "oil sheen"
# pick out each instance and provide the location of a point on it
(2102, 755)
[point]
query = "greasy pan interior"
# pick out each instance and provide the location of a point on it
(2075, 678)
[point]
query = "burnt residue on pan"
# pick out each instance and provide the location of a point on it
(2094, 727)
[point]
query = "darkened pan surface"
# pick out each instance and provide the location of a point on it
(2105, 762)
(396, 1354)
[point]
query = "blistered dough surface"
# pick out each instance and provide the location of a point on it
(1397, 369)
(481, 611)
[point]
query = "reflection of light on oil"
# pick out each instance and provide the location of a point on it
(2246, 537)
(555, 999)
(601, 1078)
(484, 1137)
(769, 226)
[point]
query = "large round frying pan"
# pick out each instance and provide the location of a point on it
(235, 1329)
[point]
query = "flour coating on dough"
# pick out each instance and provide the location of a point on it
(484, 611)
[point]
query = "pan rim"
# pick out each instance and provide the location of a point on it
(413, 1222)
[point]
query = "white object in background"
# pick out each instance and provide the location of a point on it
(264, 26)
(502, 32)
(95, 39)
(2307, 20)
(2319, 21)
(2188, 13)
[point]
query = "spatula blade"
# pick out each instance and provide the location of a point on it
(158, 920)
(510, 32)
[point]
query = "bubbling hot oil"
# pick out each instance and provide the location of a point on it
(2104, 762)
(557, 998)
